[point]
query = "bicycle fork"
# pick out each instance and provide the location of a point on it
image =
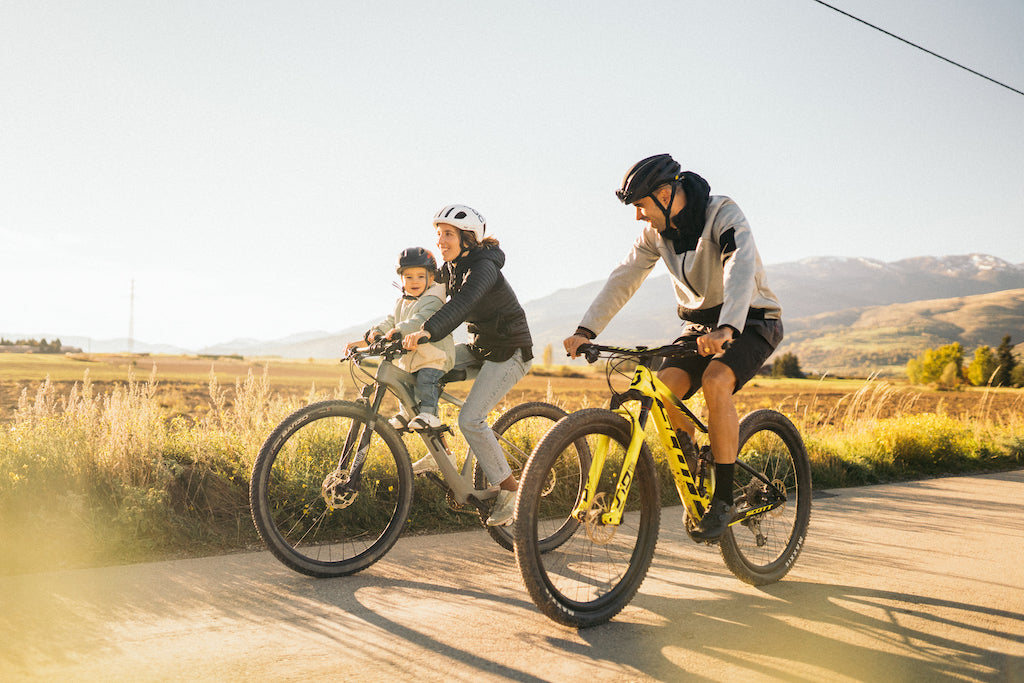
(341, 487)
(592, 502)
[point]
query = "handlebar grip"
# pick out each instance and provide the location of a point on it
(588, 351)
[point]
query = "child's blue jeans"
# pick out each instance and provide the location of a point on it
(427, 390)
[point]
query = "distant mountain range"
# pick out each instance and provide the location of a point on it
(845, 316)
(842, 315)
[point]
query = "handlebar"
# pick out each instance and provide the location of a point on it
(594, 351)
(382, 347)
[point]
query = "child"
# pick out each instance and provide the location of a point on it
(422, 296)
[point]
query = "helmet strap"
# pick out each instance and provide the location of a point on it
(666, 210)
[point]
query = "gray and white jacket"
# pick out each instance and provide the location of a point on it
(408, 317)
(723, 270)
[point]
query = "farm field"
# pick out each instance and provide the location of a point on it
(183, 385)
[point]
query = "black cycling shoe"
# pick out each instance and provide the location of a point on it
(714, 522)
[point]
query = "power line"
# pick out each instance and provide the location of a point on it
(904, 40)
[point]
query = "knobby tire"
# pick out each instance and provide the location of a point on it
(523, 426)
(594, 574)
(763, 549)
(290, 510)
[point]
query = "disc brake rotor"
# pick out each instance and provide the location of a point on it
(549, 483)
(334, 491)
(597, 531)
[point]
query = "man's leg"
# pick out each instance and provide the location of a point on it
(718, 383)
(723, 422)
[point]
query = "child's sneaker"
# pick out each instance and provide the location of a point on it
(401, 420)
(425, 421)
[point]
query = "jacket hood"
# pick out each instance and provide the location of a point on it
(487, 253)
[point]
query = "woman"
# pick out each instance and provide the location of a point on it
(500, 349)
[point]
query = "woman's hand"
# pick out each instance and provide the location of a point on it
(412, 340)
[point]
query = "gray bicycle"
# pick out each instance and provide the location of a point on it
(332, 486)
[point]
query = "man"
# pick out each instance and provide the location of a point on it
(723, 301)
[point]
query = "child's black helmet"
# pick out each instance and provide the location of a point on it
(646, 176)
(416, 257)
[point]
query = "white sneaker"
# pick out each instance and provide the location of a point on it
(425, 421)
(401, 419)
(424, 465)
(504, 508)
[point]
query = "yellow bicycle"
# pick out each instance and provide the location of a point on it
(591, 577)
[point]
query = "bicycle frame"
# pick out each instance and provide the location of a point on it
(652, 395)
(459, 482)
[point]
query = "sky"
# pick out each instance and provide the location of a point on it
(194, 172)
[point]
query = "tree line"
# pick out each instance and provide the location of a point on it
(945, 367)
(39, 345)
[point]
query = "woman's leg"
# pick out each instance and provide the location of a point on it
(492, 383)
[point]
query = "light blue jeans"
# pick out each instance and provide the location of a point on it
(492, 381)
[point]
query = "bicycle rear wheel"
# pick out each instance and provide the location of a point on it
(519, 430)
(311, 514)
(593, 574)
(763, 548)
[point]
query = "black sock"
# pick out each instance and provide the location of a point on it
(723, 482)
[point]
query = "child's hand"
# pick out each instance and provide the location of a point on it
(412, 340)
(394, 334)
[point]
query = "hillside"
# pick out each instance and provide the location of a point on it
(841, 314)
(861, 341)
(816, 294)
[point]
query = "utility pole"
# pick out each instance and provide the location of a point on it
(131, 320)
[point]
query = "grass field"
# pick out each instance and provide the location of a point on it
(118, 458)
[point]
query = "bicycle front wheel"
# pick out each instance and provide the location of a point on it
(519, 429)
(595, 573)
(317, 514)
(772, 466)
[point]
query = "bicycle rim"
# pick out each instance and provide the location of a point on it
(330, 533)
(594, 573)
(762, 549)
(520, 429)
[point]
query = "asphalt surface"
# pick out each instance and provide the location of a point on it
(907, 582)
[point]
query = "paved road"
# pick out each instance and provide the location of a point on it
(908, 582)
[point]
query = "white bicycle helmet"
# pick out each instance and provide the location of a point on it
(463, 218)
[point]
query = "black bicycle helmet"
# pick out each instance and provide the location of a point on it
(416, 257)
(646, 176)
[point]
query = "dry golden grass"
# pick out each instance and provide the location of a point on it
(123, 469)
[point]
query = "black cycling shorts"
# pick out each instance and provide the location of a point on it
(745, 356)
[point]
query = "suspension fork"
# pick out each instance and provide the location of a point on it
(614, 510)
(357, 442)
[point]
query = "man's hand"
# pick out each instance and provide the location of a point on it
(573, 343)
(715, 342)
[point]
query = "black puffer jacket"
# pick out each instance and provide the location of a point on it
(481, 297)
